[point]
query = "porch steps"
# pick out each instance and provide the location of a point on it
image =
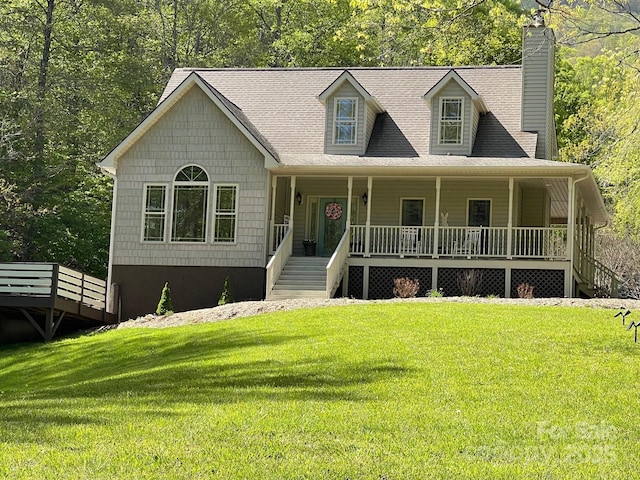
(302, 277)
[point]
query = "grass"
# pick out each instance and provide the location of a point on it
(393, 391)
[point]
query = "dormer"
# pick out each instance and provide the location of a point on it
(350, 113)
(455, 113)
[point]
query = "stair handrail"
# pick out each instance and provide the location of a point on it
(602, 277)
(336, 265)
(279, 260)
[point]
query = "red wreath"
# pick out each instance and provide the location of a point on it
(333, 211)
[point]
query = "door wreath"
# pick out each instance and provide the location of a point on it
(333, 211)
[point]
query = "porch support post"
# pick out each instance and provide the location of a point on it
(571, 223)
(292, 200)
(507, 282)
(350, 194)
(436, 223)
(272, 222)
(367, 236)
(365, 282)
(510, 224)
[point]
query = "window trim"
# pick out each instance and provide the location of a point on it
(424, 210)
(336, 100)
(441, 103)
(207, 198)
(214, 216)
(145, 190)
(490, 200)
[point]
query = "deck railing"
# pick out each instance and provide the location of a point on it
(549, 243)
(43, 280)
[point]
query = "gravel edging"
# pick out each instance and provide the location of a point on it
(251, 308)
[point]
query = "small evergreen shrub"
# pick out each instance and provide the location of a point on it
(165, 307)
(405, 287)
(227, 296)
(433, 293)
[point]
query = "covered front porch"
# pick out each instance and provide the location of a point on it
(522, 222)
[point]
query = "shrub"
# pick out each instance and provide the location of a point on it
(165, 306)
(227, 296)
(469, 282)
(433, 293)
(405, 287)
(525, 290)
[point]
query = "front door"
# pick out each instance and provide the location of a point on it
(332, 224)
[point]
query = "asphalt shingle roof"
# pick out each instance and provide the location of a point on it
(282, 107)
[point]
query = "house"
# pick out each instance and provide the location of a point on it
(373, 173)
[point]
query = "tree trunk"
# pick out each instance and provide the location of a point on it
(41, 93)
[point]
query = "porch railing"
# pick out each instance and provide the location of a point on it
(548, 243)
(336, 265)
(279, 260)
(597, 276)
(279, 231)
(473, 242)
(394, 240)
(536, 242)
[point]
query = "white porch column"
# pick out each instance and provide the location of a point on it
(350, 194)
(367, 236)
(291, 207)
(510, 223)
(272, 222)
(571, 223)
(436, 222)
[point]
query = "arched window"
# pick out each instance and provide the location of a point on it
(190, 194)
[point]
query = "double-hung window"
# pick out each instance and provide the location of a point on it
(155, 213)
(190, 193)
(345, 121)
(226, 213)
(412, 212)
(478, 212)
(450, 127)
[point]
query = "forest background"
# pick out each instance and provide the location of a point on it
(76, 76)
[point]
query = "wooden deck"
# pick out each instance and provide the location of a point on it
(46, 293)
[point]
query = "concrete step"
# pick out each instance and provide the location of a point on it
(308, 261)
(302, 269)
(300, 286)
(302, 277)
(289, 294)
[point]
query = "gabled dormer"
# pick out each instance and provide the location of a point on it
(455, 113)
(350, 113)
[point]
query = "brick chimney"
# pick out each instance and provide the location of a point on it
(538, 64)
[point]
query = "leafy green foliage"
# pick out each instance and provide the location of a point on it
(77, 77)
(165, 305)
(226, 296)
(402, 391)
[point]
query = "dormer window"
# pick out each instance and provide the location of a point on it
(450, 127)
(345, 123)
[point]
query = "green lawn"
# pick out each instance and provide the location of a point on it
(382, 391)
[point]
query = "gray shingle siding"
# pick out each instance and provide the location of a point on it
(345, 91)
(452, 89)
(194, 131)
